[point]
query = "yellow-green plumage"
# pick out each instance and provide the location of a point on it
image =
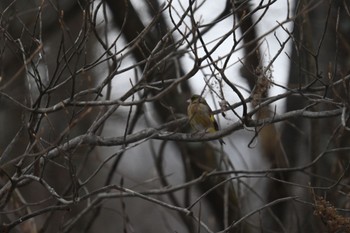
(201, 116)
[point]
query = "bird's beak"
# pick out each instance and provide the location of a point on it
(188, 101)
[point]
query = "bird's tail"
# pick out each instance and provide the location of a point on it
(213, 130)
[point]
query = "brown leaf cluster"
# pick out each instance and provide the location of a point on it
(330, 217)
(263, 84)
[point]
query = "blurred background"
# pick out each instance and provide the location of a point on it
(94, 130)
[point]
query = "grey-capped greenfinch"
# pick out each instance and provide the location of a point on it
(201, 116)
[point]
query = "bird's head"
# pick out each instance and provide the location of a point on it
(196, 99)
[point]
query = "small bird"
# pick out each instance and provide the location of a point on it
(201, 116)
